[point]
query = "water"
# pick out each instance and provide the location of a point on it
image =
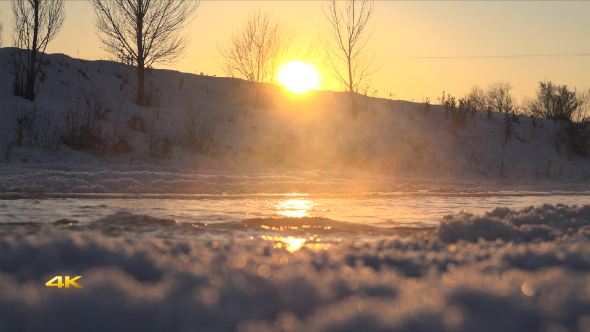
(327, 218)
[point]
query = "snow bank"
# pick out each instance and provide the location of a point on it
(47, 179)
(513, 281)
(152, 179)
(267, 129)
(534, 223)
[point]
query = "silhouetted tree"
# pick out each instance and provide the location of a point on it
(477, 97)
(556, 102)
(36, 23)
(499, 99)
(256, 51)
(346, 44)
(148, 31)
(1, 33)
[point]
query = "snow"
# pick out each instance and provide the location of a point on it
(506, 270)
(529, 270)
(149, 179)
(545, 222)
(268, 130)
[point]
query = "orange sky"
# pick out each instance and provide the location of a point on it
(404, 33)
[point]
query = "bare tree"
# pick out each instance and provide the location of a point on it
(477, 97)
(1, 26)
(36, 23)
(255, 52)
(557, 102)
(346, 44)
(499, 97)
(148, 31)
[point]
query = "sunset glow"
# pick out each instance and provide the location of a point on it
(299, 77)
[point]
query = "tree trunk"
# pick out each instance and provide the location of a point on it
(140, 82)
(31, 73)
(351, 89)
(140, 58)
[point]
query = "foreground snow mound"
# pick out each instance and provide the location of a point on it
(534, 223)
(423, 283)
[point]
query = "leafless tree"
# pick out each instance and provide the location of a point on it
(256, 51)
(1, 33)
(36, 23)
(478, 98)
(147, 31)
(557, 102)
(499, 97)
(346, 44)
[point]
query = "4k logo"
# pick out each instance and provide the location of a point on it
(57, 282)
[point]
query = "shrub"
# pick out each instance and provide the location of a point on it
(153, 97)
(458, 118)
(85, 123)
(7, 150)
(24, 128)
(426, 108)
(499, 99)
(31, 130)
(507, 128)
(477, 97)
(136, 123)
(256, 95)
(48, 136)
(121, 146)
(87, 127)
(496, 98)
(159, 145)
(203, 131)
(556, 102)
(577, 137)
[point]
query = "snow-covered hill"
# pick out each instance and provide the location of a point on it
(262, 128)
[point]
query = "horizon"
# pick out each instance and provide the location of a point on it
(423, 48)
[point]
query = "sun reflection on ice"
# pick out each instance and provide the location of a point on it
(295, 208)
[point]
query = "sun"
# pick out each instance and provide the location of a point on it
(299, 77)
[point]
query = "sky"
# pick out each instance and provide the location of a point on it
(422, 47)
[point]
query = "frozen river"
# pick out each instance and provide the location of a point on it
(305, 217)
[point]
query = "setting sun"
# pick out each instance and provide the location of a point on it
(299, 77)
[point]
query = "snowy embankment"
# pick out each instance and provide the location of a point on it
(508, 270)
(257, 128)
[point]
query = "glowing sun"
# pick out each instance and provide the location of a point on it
(299, 77)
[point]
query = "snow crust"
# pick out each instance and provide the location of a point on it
(507, 270)
(57, 178)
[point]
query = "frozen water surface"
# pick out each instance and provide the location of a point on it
(254, 215)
